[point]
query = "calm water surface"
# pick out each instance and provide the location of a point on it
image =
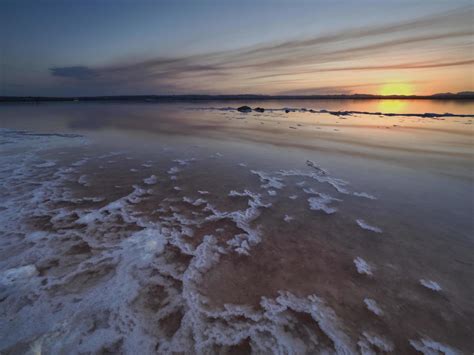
(180, 227)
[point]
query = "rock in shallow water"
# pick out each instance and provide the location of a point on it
(244, 109)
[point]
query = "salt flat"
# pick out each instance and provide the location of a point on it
(191, 228)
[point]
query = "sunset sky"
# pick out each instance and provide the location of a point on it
(235, 47)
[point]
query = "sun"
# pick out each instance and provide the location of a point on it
(396, 89)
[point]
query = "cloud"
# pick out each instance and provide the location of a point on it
(447, 19)
(406, 66)
(402, 66)
(355, 49)
(76, 72)
(322, 90)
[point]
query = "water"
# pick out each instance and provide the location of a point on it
(178, 228)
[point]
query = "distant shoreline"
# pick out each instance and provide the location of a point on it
(469, 96)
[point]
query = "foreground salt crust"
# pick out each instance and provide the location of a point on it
(105, 277)
(321, 203)
(432, 285)
(371, 344)
(364, 225)
(242, 243)
(126, 263)
(373, 306)
(17, 275)
(364, 194)
(152, 180)
(362, 266)
(430, 347)
(138, 262)
(269, 181)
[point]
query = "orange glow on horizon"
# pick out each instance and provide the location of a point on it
(396, 89)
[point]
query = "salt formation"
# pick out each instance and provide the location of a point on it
(321, 203)
(362, 224)
(47, 164)
(242, 243)
(362, 266)
(373, 306)
(151, 180)
(338, 184)
(430, 347)
(371, 344)
(106, 278)
(173, 170)
(364, 194)
(17, 275)
(84, 180)
(430, 285)
(123, 271)
(184, 162)
(268, 181)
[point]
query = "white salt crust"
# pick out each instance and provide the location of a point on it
(126, 290)
(364, 225)
(428, 346)
(432, 285)
(373, 306)
(152, 180)
(362, 266)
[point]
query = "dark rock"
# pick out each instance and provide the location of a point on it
(340, 113)
(287, 111)
(244, 109)
(259, 109)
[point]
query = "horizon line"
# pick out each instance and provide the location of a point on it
(439, 96)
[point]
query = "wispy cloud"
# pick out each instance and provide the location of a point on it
(333, 90)
(353, 49)
(75, 72)
(402, 66)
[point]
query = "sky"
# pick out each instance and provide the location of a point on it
(138, 47)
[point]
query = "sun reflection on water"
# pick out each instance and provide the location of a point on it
(391, 106)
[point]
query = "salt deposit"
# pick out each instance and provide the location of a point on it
(362, 224)
(430, 347)
(101, 260)
(373, 306)
(362, 266)
(151, 180)
(432, 285)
